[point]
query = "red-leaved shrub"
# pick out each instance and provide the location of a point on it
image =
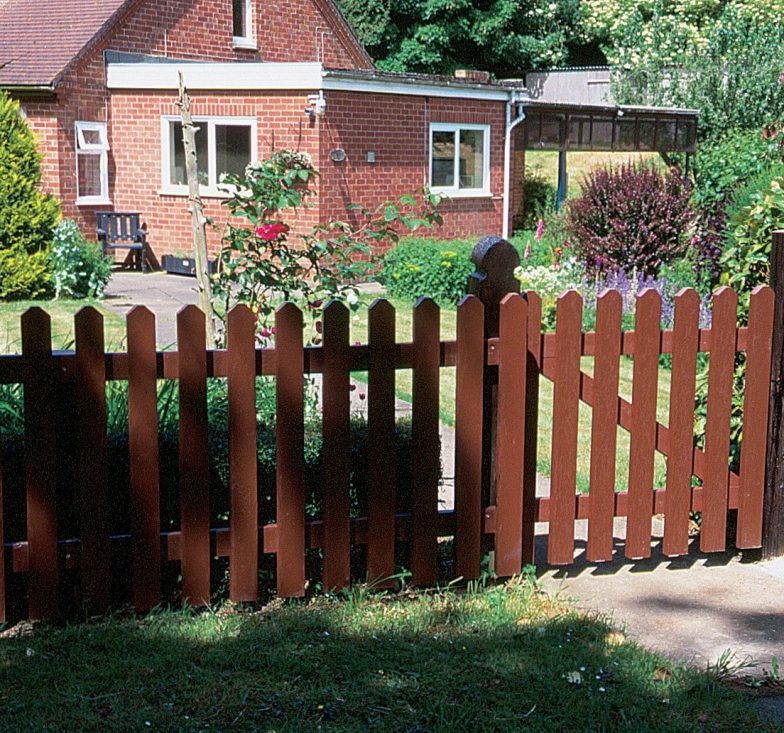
(630, 217)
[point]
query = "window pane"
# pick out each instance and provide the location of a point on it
(443, 159)
(472, 155)
(240, 27)
(233, 148)
(91, 137)
(89, 175)
(177, 162)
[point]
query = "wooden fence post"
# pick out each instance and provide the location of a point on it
(495, 261)
(773, 512)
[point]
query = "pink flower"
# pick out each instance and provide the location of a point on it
(527, 253)
(266, 333)
(352, 387)
(362, 395)
(270, 232)
(539, 230)
(319, 327)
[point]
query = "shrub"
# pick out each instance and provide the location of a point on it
(24, 276)
(538, 198)
(439, 269)
(745, 260)
(548, 283)
(632, 217)
(79, 267)
(27, 216)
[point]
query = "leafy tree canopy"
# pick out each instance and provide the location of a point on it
(439, 36)
(736, 80)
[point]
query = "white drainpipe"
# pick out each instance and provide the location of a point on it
(510, 126)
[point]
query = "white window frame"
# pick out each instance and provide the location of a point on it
(99, 149)
(248, 40)
(456, 191)
(214, 187)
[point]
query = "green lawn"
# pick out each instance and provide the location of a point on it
(504, 658)
(62, 313)
(578, 163)
(404, 314)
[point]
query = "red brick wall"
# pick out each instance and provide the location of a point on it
(135, 137)
(396, 128)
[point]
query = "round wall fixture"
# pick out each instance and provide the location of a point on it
(338, 155)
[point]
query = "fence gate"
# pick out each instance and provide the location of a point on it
(64, 543)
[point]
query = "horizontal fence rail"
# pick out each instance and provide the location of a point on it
(65, 429)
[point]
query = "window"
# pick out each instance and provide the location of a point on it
(242, 24)
(223, 145)
(92, 163)
(459, 159)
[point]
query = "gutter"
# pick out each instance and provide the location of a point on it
(515, 100)
(21, 89)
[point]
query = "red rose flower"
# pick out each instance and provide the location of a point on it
(270, 232)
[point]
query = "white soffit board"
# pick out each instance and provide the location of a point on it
(218, 76)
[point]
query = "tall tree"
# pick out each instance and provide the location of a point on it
(438, 36)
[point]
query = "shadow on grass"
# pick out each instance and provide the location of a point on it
(440, 663)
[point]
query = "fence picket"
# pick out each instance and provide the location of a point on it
(604, 426)
(645, 379)
(468, 437)
(566, 398)
(290, 438)
(40, 463)
(532, 371)
(510, 450)
(717, 425)
(755, 419)
(337, 447)
(143, 435)
(243, 456)
(381, 441)
(92, 492)
(194, 457)
(680, 460)
(424, 510)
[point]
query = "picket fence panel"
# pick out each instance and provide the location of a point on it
(501, 515)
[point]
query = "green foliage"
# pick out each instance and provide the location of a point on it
(261, 266)
(24, 276)
(438, 36)
(438, 269)
(632, 217)
(732, 75)
(745, 260)
(728, 159)
(27, 216)
(538, 198)
(79, 267)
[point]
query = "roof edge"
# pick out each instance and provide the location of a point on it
(88, 47)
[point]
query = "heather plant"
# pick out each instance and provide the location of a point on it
(633, 217)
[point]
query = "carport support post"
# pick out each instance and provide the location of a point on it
(773, 512)
(495, 260)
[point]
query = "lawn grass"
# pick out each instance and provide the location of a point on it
(62, 313)
(492, 659)
(578, 164)
(404, 323)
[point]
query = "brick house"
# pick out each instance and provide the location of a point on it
(97, 80)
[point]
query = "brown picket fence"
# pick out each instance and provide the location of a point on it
(500, 354)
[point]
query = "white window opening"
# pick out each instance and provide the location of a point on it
(223, 145)
(242, 23)
(92, 163)
(460, 159)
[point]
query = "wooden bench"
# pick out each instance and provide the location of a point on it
(121, 230)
